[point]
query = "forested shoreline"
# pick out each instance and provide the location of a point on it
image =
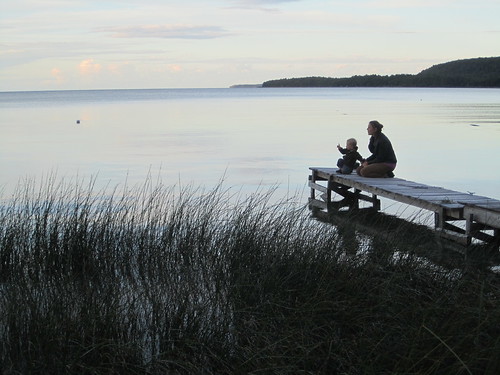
(477, 72)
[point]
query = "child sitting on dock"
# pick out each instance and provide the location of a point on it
(351, 155)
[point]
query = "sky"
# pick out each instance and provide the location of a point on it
(108, 44)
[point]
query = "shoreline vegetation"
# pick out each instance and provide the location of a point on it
(159, 279)
(478, 72)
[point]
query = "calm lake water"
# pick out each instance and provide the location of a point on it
(249, 137)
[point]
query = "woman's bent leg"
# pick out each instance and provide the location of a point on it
(375, 170)
(358, 170)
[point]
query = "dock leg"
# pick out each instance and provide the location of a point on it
(450, 231)
(376, 202)
(312, 177)
(329, 189)
(355, 202)
(469, 224)
(439, 220)
(496, 235)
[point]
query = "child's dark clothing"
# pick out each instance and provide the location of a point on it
(348, 162)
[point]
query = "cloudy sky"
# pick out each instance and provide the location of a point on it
(97, 44)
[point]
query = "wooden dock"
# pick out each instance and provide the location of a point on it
(480, 216)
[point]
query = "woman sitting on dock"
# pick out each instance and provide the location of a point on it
(383, 160)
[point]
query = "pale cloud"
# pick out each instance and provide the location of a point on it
(263, 2)
(88, 66)
(168, 43)
(395, 4)
(56, 73)
(175, 68)
(167, 31)
(114, 68)
(268, 1)
(262, 5)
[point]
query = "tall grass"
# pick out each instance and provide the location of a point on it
(157, 280)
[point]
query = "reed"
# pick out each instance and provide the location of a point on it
(156, 279)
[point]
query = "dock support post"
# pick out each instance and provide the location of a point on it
(439, 219)
(469, 228)
(469, 225)
(376, 202)
(355, 204)
(312, 177)
(329, 187)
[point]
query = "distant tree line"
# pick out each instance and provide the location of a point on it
(478, 72)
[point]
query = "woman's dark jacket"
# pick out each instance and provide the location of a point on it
(381, 149)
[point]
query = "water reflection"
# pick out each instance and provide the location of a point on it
(249, 136)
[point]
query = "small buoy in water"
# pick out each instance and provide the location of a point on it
(77, 121)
